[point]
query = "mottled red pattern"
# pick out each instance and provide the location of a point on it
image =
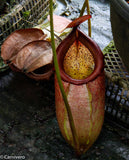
(88, 122)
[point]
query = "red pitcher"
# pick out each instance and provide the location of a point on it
(81, 65)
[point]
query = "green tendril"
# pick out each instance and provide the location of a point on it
(71, 121)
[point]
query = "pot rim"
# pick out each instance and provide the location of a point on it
(121, 7)
(94, 49)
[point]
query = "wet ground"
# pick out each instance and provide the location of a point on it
(28, 125)
(100, 21)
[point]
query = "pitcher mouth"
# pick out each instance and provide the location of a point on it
(94, 49)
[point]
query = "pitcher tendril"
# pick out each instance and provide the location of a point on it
(72, 126)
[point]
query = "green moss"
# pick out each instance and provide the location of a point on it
(109, 48)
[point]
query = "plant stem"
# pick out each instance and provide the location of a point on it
(86, 4)
(83, 9)
(70, 117)
(89, 20)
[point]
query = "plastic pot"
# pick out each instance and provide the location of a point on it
(119, 12)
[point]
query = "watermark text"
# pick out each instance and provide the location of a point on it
(12, 157)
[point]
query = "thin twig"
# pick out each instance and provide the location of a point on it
(83, 9)
(86, 4)
(89, 20)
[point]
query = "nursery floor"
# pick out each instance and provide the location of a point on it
(28, 125)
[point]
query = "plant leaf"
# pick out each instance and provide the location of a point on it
(61, 23)
(13, 44)
(34, 55)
